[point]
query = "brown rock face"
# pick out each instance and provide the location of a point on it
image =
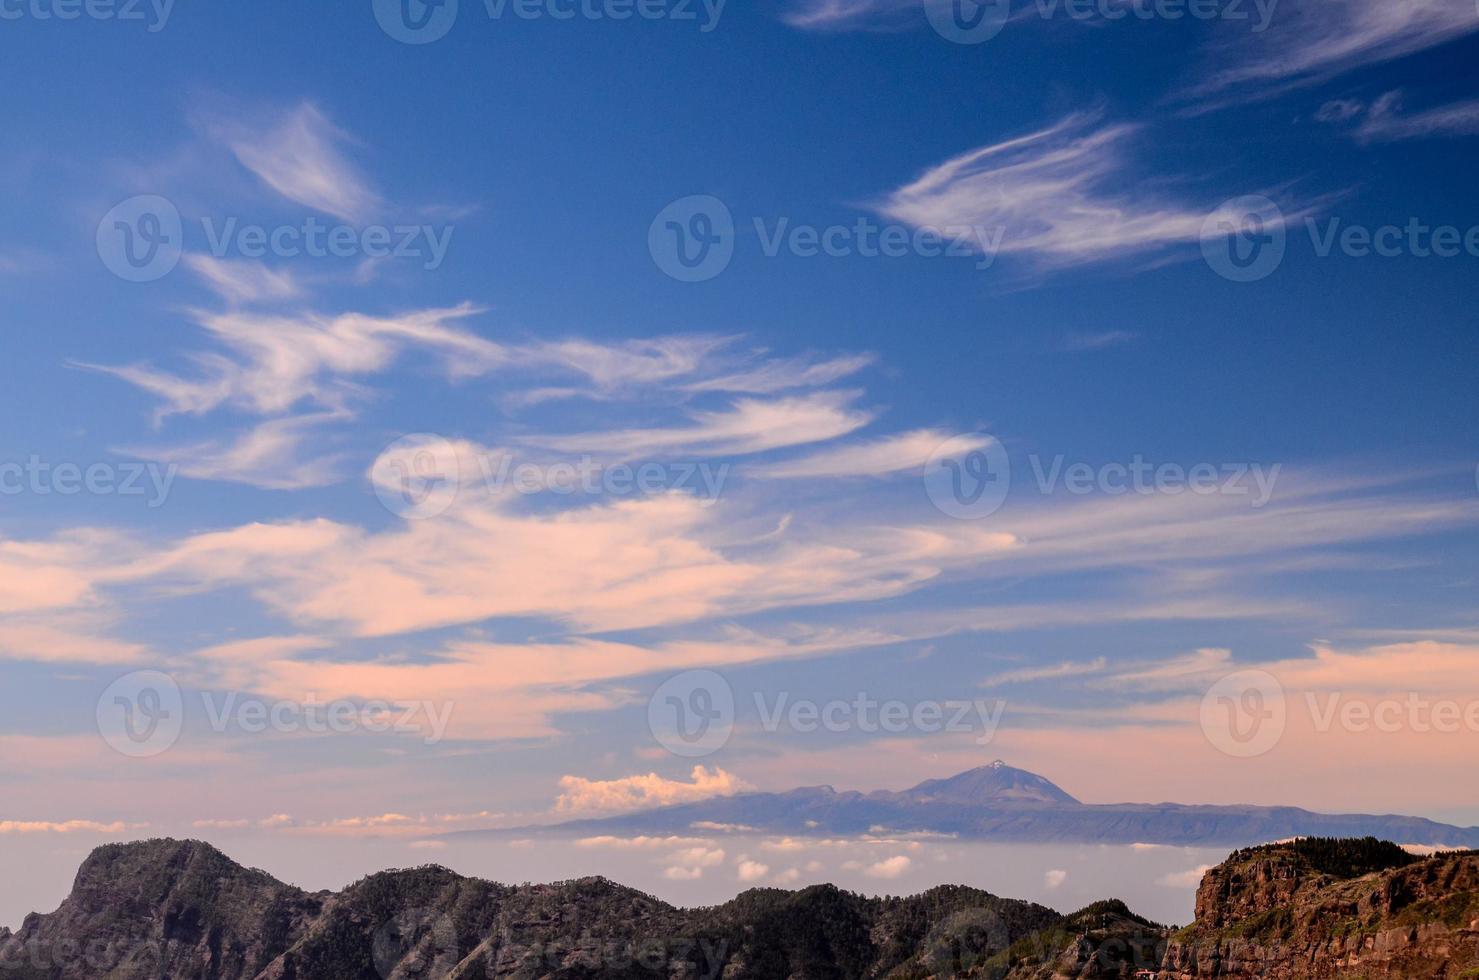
(1277, 914)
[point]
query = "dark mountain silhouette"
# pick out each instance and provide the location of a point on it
(181, 910)
(998, 802)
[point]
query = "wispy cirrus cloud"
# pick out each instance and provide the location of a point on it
(1065, 195)
(273, 362)
(848, 15)
(1313, 40)
(277, 454)
(876, 457)
(299, 154)
(65, 639)
(769, 375)
(679, 364)
(1027, 675)
(749, 425)
(1079, 343)
(241, 281)
(1385, 121)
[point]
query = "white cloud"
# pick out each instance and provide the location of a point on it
(773, 375)
(689, 863)
(1190, 878)
(750, 425)
(640, 842)
(299, 155)
(390, 824)
(1312, 40)
(1064, 195)
(73, 637)
(877, 457)
(612, 367)
(275, 362)
(889, 867)
(1052, 672)
(748, 870)
(1385, 121)
(699, 857)
(244, 281)
(1055, 878)
(723, 828)
(580, 795)
(272, 454)
(61, 827)
(849, 15)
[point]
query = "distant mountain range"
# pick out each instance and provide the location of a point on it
(1308, 910)
(998, 802)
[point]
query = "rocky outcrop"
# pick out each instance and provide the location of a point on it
(1291, 911)
(161, 909)
(181, 910)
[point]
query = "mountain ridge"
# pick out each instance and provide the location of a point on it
(999, 802)
(181, 910)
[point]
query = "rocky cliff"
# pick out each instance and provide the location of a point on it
(1310, 909)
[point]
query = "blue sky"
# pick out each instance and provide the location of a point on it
(1071, 166)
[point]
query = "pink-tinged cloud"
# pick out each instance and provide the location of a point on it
(581, 795)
